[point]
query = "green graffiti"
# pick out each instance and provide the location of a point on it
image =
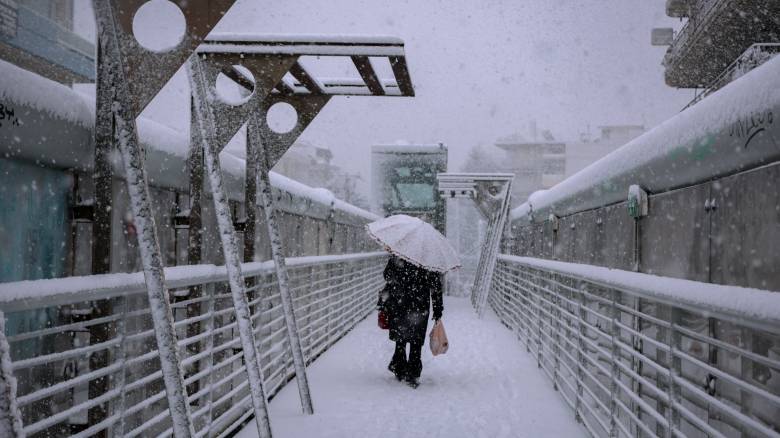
(698, 150)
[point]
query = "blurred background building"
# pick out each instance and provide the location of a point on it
(719, 41)
(38, 35)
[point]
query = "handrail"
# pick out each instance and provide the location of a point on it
(19, 295)
(51, 344)
(757, 308)
(636, 354)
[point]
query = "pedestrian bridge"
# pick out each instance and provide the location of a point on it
(485, 386)
(565, 350)
(632, 299)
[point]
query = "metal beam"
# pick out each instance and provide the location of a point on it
(401, 72)
(491, 194)
(366, 70)
(125, 87)
(302, 76)
(205, 114)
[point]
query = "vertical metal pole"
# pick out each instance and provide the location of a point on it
(266, 197)
(141, 206)
(581, 316)
(555, 317)
(250, 197)
(194, 237)
(538, 294)
(121, 357)
(210, 324)
(10, 416)
(102, 175)
(207, 127)
(195, 167)
(490, 252)
(615, 370)
(675, 365)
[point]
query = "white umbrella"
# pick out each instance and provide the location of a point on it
(415, 241)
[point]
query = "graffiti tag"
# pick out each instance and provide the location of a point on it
(749, 126)
(8, 116)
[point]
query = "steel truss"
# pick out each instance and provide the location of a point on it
(125, 87)
(491, 193)
(218, 121)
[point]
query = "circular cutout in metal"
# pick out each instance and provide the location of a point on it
(236, 86)
(282, 118)
(159, 26)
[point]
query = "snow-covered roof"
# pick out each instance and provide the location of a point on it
(732, 130)
(55, 130)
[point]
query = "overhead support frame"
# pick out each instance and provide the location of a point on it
(269, 59)
(491, 193)
(125, 88)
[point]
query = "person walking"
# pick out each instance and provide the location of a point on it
(406, 302)
(420, 257)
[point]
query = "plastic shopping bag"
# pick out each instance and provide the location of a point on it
(438, 339)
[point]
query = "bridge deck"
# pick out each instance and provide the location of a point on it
(485, 386)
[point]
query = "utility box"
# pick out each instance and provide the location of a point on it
(662, 36)
(678, 8)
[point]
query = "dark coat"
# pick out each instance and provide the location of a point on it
(406, 300)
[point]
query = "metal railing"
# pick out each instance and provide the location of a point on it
(56, 387)
(754, 56)
(701, 11)
(639, 355)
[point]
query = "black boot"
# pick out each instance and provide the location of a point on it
(413, 382)
(414, 365)
(398, 364)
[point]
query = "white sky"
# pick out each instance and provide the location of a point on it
(482, 69)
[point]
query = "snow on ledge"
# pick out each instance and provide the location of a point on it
(746, 305)
(57, 100)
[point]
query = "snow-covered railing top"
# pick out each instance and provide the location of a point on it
(21, 295)
(732, 130)
(756, 308)
(62, 120)
(359, 48)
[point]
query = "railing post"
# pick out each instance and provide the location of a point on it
(121, 357)
(10, 416)
(675, 368)
(538, 294)
(209, 290)
(581, 316)
(556, 315)
(636, 364)
(523, 274)
(615, 371)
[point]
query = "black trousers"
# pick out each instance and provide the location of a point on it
(410, 366)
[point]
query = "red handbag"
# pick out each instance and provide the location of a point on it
(382, 320)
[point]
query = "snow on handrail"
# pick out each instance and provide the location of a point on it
(748, 306)
(20, 295)
(730, 131)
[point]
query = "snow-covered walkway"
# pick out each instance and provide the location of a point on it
(485, 386)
